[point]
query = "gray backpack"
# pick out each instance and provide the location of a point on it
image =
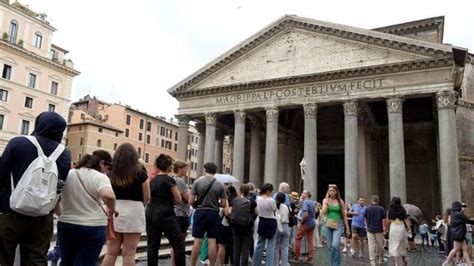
(241, 213)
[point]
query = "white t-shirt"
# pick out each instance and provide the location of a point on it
(284, 212)
(78, 207)
(266, 207)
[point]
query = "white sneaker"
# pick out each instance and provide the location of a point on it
(344, 250)
(353, 253)
(205, 262)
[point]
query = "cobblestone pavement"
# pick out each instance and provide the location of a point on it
(321, 257)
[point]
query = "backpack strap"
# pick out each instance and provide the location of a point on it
(201, 198)
(57, 152)
(35, 142)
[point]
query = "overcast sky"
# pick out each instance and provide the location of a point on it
(133, 51)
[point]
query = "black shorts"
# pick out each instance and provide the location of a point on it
(206, 220)
(183, 223)
(359, 231)
(225, 235)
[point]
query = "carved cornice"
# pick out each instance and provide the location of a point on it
(240, 117)
(211, 118)
(394, 105)
(183, 120)
(293, 22)
(446, 99)
(470, 59)
(436, 23)
(350, 108)
(465, 103)
(415, 65)
(272, 114)
(310, 110)
(69, 71)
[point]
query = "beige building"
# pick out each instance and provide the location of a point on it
(387, 111)
(97, 124)
(35, 76)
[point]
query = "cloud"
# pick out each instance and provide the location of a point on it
(133, 51)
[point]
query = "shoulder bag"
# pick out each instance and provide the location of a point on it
(110, 220)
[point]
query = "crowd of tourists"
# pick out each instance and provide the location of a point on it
(112, 200)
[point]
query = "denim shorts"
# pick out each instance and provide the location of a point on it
(206, 220)
(469, 239)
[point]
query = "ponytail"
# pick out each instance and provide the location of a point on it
(93, 161)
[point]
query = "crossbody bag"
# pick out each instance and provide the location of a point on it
(110, 220)
(201, 198)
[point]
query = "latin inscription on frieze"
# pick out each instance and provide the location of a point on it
(303, 91)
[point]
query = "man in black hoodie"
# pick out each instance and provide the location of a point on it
(33, 234)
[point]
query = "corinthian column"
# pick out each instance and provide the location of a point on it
(448, 148)
(351, 161)
(310, 148)
(282, 159)
(239, 146)
(200, 157)
(396, 148)
(183, 122)
(219, 150)
(271, 147)
(254, 175)
(211, 119)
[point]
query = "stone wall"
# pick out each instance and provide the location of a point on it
(465, 129)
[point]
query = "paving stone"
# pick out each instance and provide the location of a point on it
(321, 257)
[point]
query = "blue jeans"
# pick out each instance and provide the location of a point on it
(282, 242)
(79, 244)
(257, 256)
(333, 238)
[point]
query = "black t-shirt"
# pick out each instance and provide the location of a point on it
(132, 192)
(161, 195)
(375, 215)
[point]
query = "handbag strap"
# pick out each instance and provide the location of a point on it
(201, 198)
(83, 186)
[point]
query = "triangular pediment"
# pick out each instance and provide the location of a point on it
(294, 46)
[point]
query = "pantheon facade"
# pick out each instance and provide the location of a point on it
(387, 111)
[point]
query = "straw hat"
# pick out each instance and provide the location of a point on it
(294, 195)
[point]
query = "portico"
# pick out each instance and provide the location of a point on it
(369, 111)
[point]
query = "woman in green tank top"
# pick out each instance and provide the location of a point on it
(336, 218)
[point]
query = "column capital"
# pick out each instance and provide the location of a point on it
(272, 114)
(310, 110)
(211, 118)
(183, 120)
(446, 99)
(351, 108)
(240, 116)
(394, 104)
